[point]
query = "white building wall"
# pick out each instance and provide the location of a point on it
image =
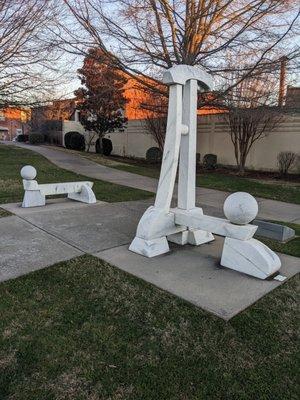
(212, 137)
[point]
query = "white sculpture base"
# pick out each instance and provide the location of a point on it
(86, 195)
(149, 248)
(250, 257)
(191, 236)
(156, 227)
(35, 193)
(33, 198)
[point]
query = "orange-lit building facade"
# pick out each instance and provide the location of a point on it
(13, 122)
(137, 96)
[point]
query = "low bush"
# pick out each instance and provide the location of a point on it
(74, 141)
(285, 160)
(210, 161)
(22, 138)
(154, 155)
(36, 138)
(106, 146)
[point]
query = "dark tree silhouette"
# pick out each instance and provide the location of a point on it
(101, 99)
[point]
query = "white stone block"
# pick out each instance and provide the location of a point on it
(195, 219)
(35, 194)
(171, 150)
(197, 237)
(33, 198)
(180, 238)
(30, 185)
(149, 248)
(86, 195)
(250, 257)
(50, 189)
(180, 74)
(194, 237)
(156, 223)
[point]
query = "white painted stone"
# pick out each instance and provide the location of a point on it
(33, 198)
(28, 172)
(156, 223)
(171, 150)
(35, 194)
(197, 237)
(187, 165)
(250, 257)
(50, 189)
(195, 219)
(180, 238)
(240, 208)
(180, 74)
(194, 237)
(30, 185)
(186, 223)
(86, 195)
(149, 248)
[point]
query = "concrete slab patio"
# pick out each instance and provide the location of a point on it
(194, 274)
(39, 237)
(25, 248)
(87, 227)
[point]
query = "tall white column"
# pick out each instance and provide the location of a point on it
(187, 164)
(171, 149)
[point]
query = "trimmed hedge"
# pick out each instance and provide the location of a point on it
(36, 138)
(106, 147)
(74, 141)
(22, 138)
(154, 155)
(210, 161)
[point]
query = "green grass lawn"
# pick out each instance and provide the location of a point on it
(12, 159)
(83, 329)
(213, 180)
(229, 183)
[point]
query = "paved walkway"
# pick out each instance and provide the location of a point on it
(36, 238)
(211, 200)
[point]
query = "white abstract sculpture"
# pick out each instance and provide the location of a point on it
(186, 223)
(35, 194)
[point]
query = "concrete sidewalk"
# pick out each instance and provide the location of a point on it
(36, 238)
(211, 200)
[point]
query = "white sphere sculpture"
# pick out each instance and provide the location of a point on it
(240, 208)
(28, 172)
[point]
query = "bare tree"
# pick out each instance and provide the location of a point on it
(285, 161)
(27, 59)
(156, 107)
(251, 115)
(143, 37)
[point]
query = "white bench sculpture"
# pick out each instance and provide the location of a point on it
(186, 223)
(35, 193)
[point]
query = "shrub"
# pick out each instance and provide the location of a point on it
(210, 161)
(22, 138)
(36, 138)
(74, 141)
(106, 146)
(154, 155)
(98, 148)
(285, 160)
